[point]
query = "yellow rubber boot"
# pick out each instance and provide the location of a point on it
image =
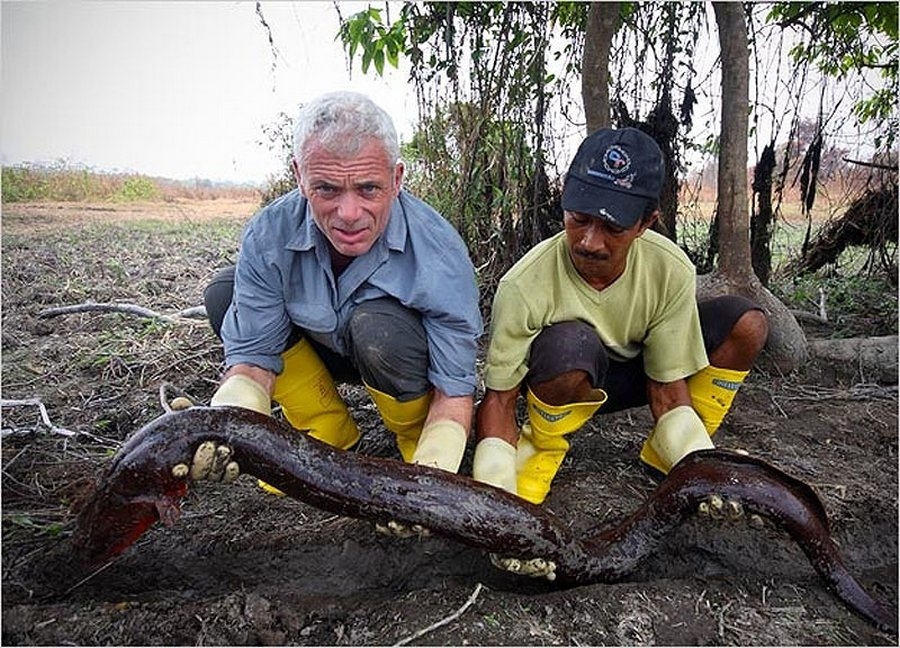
(310, 401)
(712, 392)
(404, 418)
(542, 445)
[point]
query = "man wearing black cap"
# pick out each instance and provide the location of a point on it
(604, 315)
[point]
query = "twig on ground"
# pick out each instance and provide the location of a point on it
(806, 316)
(163, 397)
(840, 488)
(45, 417)
(171, 403)
(90, 576)
(720, 619)
(858, 392)
(775, 402)
(195, 312)
(444, 621)
(180, 361)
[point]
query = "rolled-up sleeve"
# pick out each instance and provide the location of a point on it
(256, 325)
(436, 277)
(453, 334)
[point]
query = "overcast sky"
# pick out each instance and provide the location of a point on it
(183, 89)
(175, 89)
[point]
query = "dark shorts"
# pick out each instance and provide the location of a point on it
(574, 345)
(389, 350)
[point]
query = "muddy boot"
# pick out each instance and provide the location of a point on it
(712, 392)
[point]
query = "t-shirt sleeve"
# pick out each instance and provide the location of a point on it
(510, 341)
(673, 346)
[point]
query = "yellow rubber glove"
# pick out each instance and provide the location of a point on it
(241, 391)
(495, 463)
(677, 433)
(441, 445)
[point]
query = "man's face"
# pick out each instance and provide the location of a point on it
(351, 197)
(599, 248)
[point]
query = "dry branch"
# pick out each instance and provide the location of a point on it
(806, 316)
(45, 418)
(194, 312)
(444, 621)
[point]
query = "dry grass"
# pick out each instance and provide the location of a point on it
(245, 560)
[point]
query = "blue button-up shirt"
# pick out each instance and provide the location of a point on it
(284, 279)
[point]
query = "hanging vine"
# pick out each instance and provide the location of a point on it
(482, 82)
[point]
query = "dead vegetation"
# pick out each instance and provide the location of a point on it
(243, 568)
(871, 221)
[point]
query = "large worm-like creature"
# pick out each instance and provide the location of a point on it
(139, 488)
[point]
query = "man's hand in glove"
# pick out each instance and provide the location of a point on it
(534, 567)
(441, 445)
(210, 462)
(240, 390)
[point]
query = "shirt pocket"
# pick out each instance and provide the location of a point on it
(320, 318)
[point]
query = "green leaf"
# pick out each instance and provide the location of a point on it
(393, 56)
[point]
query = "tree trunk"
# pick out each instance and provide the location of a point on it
(602, 24)
(787, 347)
(734, 226)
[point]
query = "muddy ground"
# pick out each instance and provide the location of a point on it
(242, 567)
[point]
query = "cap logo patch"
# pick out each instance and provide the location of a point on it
(616, 165)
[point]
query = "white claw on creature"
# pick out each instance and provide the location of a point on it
(204, 458)
(734, 510)
(716, 506)
(534, 567)
(232, 471)
(180, 403)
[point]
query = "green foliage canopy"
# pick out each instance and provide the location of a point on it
(850, 37)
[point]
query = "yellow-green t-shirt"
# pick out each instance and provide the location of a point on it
(651, 308)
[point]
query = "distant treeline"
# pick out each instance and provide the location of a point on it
(63, 182)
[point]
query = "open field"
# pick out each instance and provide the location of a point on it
(240, 567)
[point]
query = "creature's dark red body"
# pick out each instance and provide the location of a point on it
(139, 488)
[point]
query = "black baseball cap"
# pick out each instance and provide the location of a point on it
(615, 175)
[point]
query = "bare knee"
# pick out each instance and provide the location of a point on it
(570, 387)
(744, 343)
(752, 328)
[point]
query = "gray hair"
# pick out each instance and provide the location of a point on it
(342, 122)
